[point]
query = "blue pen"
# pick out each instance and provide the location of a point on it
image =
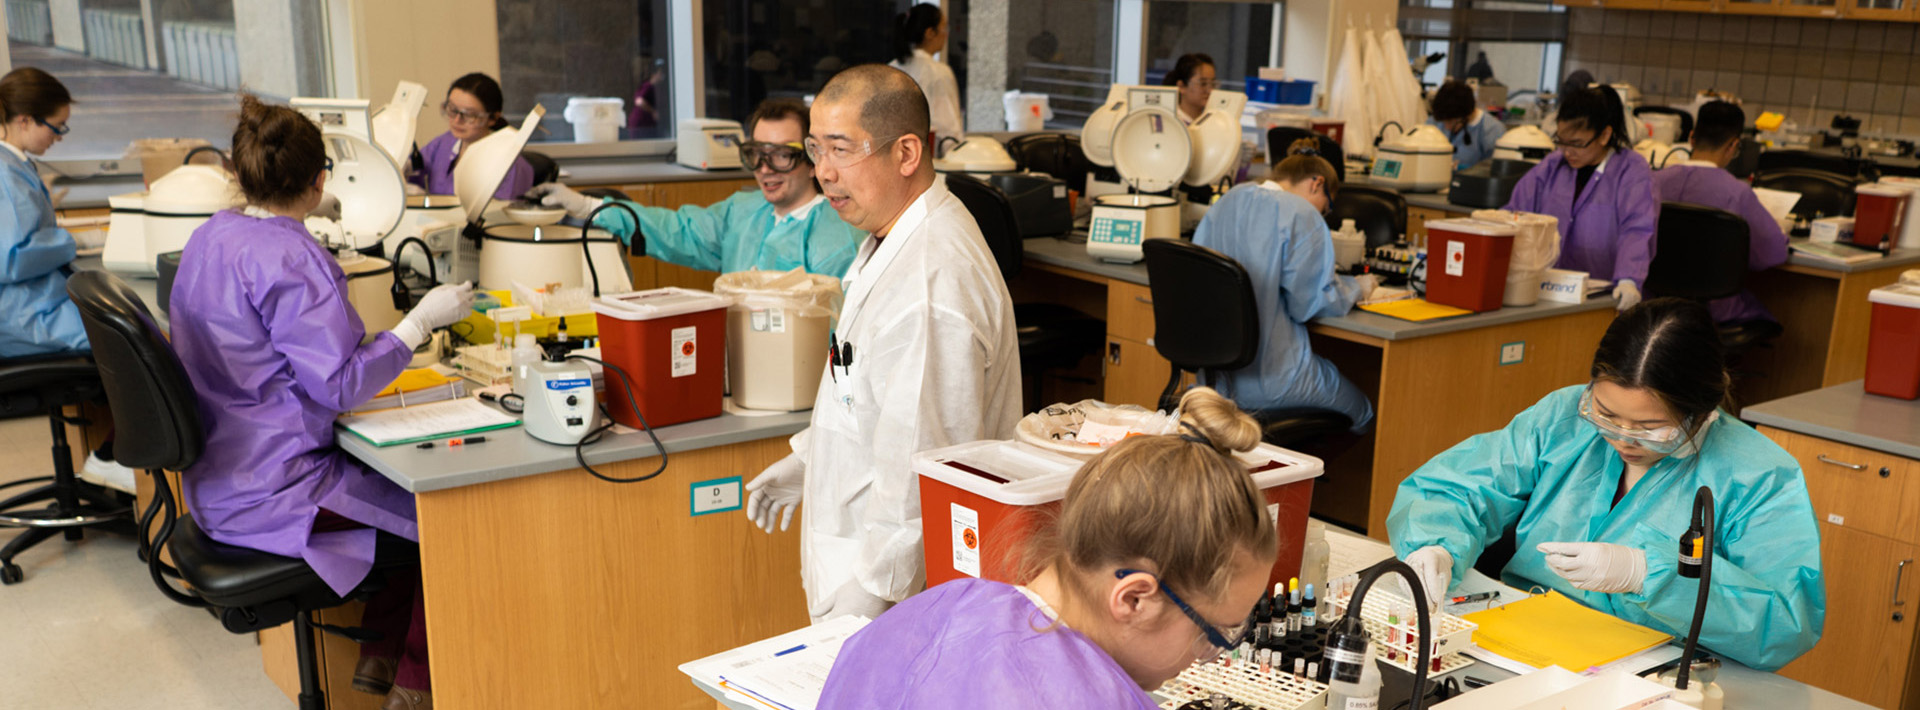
(800, 647)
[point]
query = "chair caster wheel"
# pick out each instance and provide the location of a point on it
(11, 574)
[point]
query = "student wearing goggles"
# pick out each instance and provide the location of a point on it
(472, 112)
(781, 226)
(1595, 486)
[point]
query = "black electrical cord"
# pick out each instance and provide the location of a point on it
(594, 436)
(586, 230)
(402, 298)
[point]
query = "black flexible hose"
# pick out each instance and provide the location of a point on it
(586, 230)
(1703, 519)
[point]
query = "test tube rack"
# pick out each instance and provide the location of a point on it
(1451, 634)
(1246, 683)
(487, 364)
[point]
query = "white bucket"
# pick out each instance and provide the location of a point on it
(1535, 247)
(595, 119)
(1910, 225)
(1027, 112)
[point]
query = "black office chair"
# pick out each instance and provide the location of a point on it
(1056, 154)
(1052, 336)
(545, 170)
(62, 504)
(1280, 137)
(1701, 254)
(1747, 161)
(1822, 194)
(157, 428)
(1686, 119)
(1205, 321)
(1378, 212)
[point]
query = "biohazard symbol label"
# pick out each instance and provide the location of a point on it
(686, 348)
(972, 539)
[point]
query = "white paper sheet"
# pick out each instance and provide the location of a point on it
(786, 671)
(426, 421)
(1777, 202)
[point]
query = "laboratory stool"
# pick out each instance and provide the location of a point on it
(1378, 212)
(158, 428)
(1205, 321)
(61, 504)
(1052, 336)
(1700, 253)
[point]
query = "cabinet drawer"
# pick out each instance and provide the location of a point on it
(1865, 646)
(1129, 311)
(1853, 487)
(1135, 373)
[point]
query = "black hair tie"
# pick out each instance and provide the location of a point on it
(1195, 436)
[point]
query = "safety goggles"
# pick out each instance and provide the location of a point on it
(1663, 440)
(1218, 639)
(778, 157)
(840, 154)
(59, 130)
(1576, 145)
(462, 116)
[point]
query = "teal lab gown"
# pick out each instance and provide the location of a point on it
(1551, 478)
(741, 233)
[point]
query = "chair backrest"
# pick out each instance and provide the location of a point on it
(1204, 316)
(1056, 154)
(1378, 212)
(1686, 119)
(994, 213)
(1701, 253)
(1280, 137)
(1822, 193)
(156, 415)
(545, 170)
(1746, 162)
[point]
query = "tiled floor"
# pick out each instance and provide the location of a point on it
(87, 629)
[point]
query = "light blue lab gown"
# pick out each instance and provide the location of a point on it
(1284, 244)
(1474, 142)
(740, 233)
(36, 317)
(1551, 477)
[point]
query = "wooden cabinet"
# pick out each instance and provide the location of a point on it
(1689, 6)
(1417, 218)
(1893, 10)
(1869, 527)
(1750, 7)
(1633, 4)
(1135, 373)
(1807, 8)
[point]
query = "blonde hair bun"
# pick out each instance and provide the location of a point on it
(1219, 420)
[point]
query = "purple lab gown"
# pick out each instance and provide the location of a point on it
(438, 177)
(972, 644)
(1715, 187)
(263, 327)
(1608, 231)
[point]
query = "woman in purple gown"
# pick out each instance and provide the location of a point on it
(263, 327)
(1161, 549)
(472, 110)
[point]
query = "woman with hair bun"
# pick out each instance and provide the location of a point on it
(472, 110)
(918, 35)
(1277, 230)
(262, 325)
(1595, 486)
(1160, 550)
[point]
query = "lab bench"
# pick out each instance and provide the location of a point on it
(1432, 384)
(1859, 454)
(1823, 307)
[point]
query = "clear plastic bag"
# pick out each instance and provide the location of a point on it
(1087, 427)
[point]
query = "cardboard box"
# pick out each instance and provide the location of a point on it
(1563, 286)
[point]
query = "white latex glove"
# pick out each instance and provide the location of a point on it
(1597, 566)
(776, 492)
(1434, 566)
(554, 194)
(1628, 294)
(853, 600)
(445, 305)
(329, 207)
(1367, 282)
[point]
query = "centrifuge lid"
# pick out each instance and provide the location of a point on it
(484, 164)
(372, 192)
(1216, 138)
(1151, 149)
(1096, 137)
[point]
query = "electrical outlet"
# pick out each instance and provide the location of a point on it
(1513, 353)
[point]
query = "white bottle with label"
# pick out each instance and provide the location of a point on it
(526, 351)
(1349, 246)
(1361, 695)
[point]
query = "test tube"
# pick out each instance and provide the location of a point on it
(1266, 661)
(1299, 666)
(1313, 670)
(1394, 639)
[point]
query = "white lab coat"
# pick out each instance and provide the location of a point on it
(936, 362)
(943, 92)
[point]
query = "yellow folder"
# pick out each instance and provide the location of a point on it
(1550, 629)
(1414, 309)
